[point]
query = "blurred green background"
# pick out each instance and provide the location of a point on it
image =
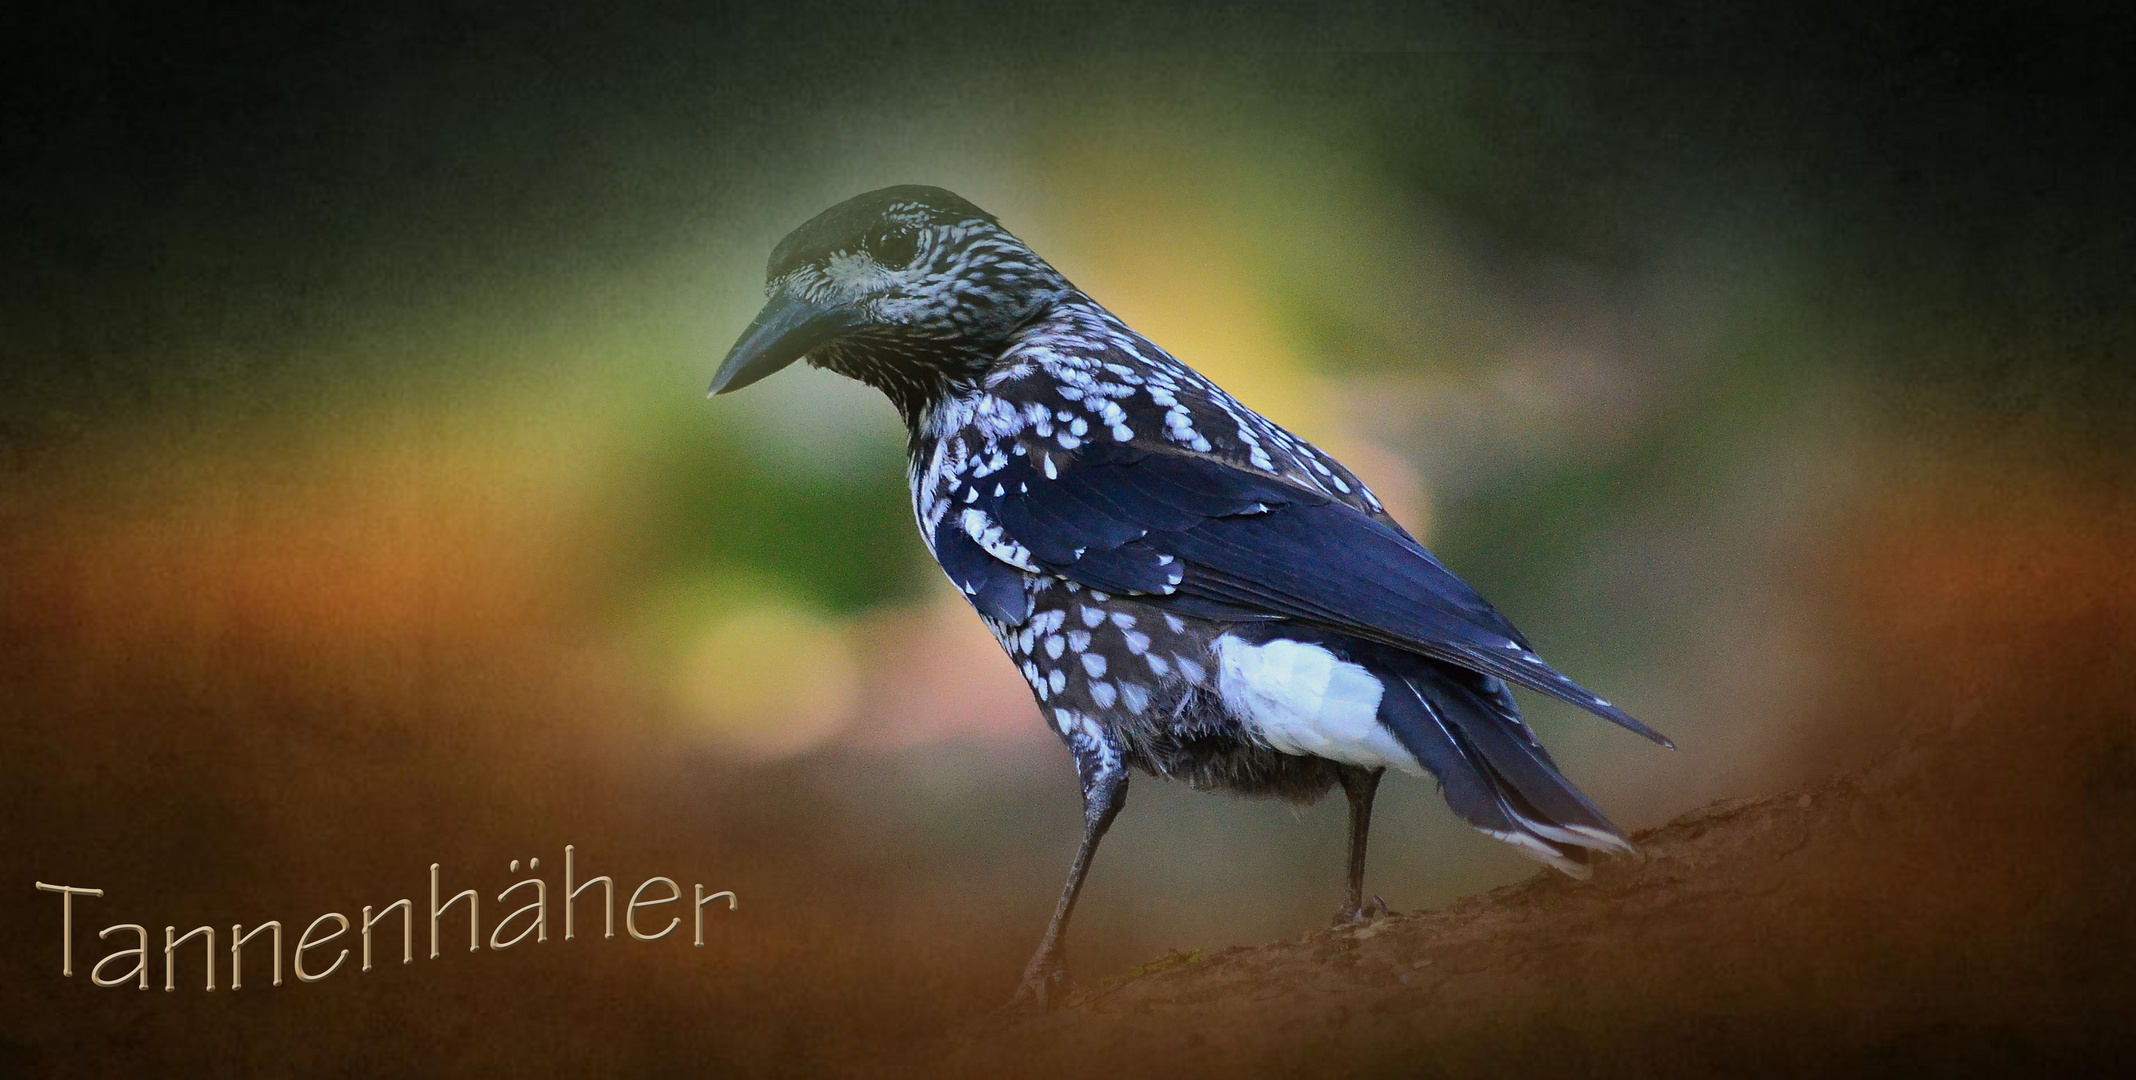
(354, 436)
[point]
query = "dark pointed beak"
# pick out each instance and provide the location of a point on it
(782, 333)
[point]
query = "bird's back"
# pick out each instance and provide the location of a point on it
(1079, 377)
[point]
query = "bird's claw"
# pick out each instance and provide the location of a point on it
(1353, 915)
(1044, 986)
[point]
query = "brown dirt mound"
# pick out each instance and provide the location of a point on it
(1956, 908)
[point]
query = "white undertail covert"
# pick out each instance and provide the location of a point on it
(1301, 699)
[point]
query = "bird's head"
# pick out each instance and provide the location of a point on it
(910, 289)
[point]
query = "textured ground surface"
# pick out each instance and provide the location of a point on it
(1958, 907)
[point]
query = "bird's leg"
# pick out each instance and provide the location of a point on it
(1104, 780)
(1360, 785)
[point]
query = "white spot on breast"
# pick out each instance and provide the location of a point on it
(1058, 679)
(1094, 663)
(1103, 693)
(1136, 696)
(1054, 645)
(1300, 699)
(1093, 616)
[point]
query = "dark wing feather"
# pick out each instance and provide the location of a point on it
(996, 589)
(1223, 542)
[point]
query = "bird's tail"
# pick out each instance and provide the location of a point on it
(1464, 727)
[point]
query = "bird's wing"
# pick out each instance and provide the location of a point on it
(994, 586)
(1203, 537)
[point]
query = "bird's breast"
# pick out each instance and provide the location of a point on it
(1086, 651)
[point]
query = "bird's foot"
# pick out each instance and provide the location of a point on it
(1044, 986)
(1355, 915)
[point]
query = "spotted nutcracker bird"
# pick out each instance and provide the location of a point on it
(1189, 589)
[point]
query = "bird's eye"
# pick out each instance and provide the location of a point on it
(894, 247)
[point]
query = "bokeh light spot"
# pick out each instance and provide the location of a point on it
(768, 680)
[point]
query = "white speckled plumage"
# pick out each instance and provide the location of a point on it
(1188, 588)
